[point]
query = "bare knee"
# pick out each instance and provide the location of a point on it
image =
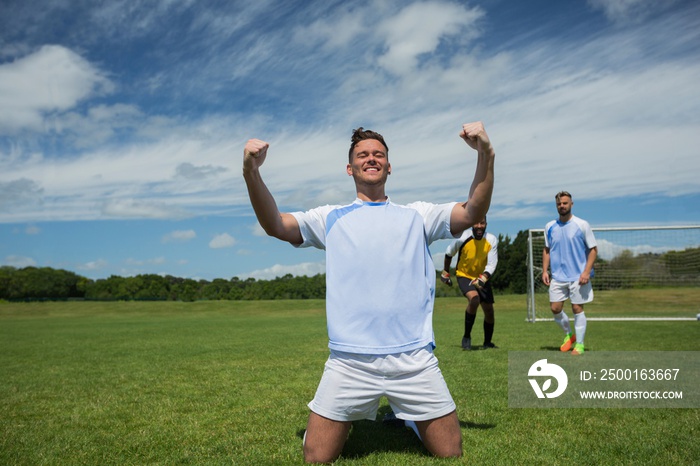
(314, 454)
(557, 307)
(324, 439)
(442, 436)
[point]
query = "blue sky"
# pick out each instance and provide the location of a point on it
(122, 123)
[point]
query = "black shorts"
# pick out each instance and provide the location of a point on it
(485, 293)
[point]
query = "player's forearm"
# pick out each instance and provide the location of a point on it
(481, 188)
(474, 210)
(592, 255)
(484, 167)
(264, 205)
(448, 263)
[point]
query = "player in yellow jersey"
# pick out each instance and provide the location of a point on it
(477, 257)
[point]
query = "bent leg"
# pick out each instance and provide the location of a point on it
(556, 307)
(442, 436)
(489, 322)
(324, 439)
(474, 301)
(470, 313)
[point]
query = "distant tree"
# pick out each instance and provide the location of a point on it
(39, 283)
(511, 274)
(6, 273)
(216, 290)
(501, 279)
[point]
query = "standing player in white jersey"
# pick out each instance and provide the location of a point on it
(570, 249)
(380, 291)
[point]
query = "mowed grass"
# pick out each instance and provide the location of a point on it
(626, 303)
(129, 383)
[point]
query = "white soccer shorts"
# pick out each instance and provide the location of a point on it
(578, 294)
(352, 385)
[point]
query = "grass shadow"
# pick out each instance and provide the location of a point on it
(549, 348)
(473, 425)
(371, 437)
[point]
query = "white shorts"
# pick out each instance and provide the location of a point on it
(352, 385)
(578, 294)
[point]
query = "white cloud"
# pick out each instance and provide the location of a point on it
(97, 126)
(223, 240)
(53, 78)
(91, 266)
(139, 262)
(19, 261)
(19, 193)
(179, 236)
(608, 250)
(132, 208)
(332, 33)
(306, 268)
(191, 172)
(257, 230)
(628, 10)
(418, 29)
(131, 181)
(439, 260)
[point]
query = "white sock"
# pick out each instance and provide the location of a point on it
(563, 320)
(413, 426)
(580, 326)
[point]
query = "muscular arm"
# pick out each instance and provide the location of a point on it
(466, 214)
(586, 274)
(545, 266)
(280, 225)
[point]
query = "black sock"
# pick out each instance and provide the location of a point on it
(488, 332)
(468, 324)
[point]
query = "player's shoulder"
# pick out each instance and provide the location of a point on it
(321, 213)
(550, 224)
(428, 209)
(327, 208)
(583, 224)
(491, 238)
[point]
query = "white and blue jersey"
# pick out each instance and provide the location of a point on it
(380, 276)
(569, 244)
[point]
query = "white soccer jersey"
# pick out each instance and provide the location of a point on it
(569, 244)
(380, 276)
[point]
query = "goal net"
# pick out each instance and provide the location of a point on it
(641, 273)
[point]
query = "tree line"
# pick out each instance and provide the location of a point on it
(37, 283)
(45, 283)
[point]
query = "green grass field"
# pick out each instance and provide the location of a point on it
(163, 383)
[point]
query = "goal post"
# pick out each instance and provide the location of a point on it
(641, 273)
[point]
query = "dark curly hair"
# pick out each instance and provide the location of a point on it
(360, 134)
